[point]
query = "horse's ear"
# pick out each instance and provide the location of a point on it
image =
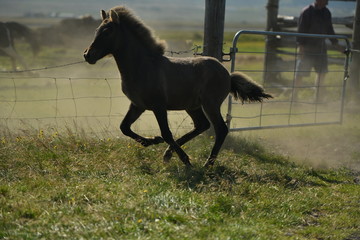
(114, 16)
(103, 14)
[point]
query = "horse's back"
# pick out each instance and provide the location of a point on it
(217, 81)
(195, 80)
(197, 69)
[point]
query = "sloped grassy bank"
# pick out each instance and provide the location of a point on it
(55, 186)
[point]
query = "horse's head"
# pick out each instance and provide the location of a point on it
(106, 38)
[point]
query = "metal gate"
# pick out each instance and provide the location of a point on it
(278, 78)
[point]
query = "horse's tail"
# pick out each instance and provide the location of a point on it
(245, 89)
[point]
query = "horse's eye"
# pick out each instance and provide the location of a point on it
(106, 30)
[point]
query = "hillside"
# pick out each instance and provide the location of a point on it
(67, 187)
(166, 10)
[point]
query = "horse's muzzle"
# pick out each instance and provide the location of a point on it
(88, 57)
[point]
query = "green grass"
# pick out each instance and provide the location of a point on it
(74, 187)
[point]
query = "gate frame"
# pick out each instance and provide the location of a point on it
(233, 51)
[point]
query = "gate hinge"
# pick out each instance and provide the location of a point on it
(228, 119)
(230, 54)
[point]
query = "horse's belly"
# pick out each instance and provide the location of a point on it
(183, 103)
(135, 99)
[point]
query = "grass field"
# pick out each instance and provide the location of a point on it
(299, 183)
(67, 187)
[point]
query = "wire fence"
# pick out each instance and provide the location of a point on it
(43, 68)
(96, 104)
(91, 105)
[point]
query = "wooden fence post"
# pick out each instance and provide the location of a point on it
(272, 15)
(214, 28)
(271, 58)
(355, 71)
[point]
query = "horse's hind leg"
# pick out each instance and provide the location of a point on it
(201, 124)
(161, 116)
(131, 116)
(221, 131)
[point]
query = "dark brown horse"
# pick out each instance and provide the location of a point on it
(158, 83)
(10, 31)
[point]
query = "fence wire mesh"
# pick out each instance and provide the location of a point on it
(96, 104)
(92, 105)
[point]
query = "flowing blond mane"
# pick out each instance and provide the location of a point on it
(137, 27)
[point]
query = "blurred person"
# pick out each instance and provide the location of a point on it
(314, 19)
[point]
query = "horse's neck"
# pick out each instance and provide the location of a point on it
(126, 61)
(130, 55)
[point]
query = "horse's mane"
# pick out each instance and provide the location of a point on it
(137, 27)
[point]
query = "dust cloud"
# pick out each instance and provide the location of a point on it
(332, 146)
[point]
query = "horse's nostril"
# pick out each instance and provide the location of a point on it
(86, 56)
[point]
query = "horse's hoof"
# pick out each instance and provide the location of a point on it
(158, 140)
(144, 142)
(186, 161)
(150, 141)
(210, 162)
(188, 166)
(167, 155)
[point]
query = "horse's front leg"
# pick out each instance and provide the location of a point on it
(14, 56)
(131, 116)
(161, 117)
(201, 124)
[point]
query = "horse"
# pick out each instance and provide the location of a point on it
(8, 32)
(158, 83)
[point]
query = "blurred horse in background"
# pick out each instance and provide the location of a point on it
(13, 30)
